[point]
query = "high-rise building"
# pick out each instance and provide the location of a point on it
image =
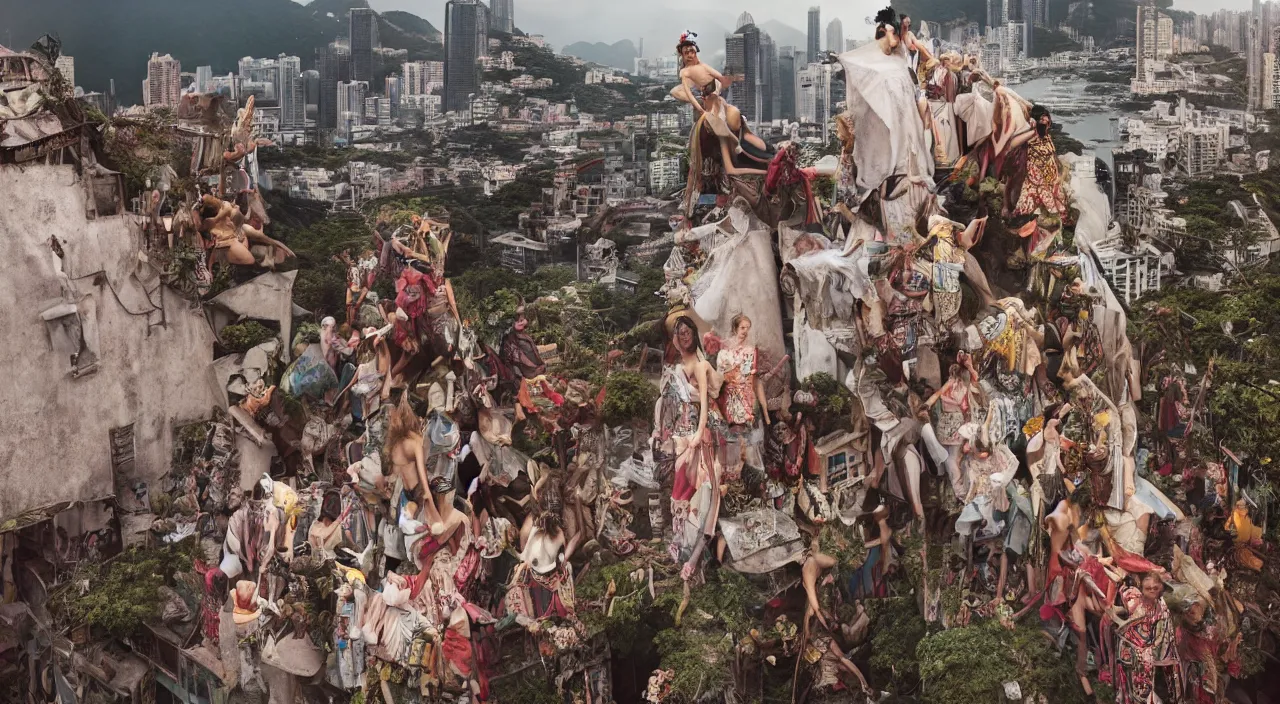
(66, 65)
(1164, 37)
(835, 36)
(1028, 28)
(1147, 32)
(742, 58)
(164, 81)
(1254, 56)
(504, 16)
(293, 111)
(350, 97)
(815, 29)
(770, 79)
(996, 13)
(1040, 16)
(363, 28)
(423, 77)
(786, 83)
(260, 72)
(466, 39)
(1269, 81)
(813, 96)
(311, 94)
(334, 64)
(393, 89)
(203, 76)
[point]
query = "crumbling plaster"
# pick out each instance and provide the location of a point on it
(154, 349)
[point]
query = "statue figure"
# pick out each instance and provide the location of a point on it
(941, 89)
(720, 144)
(893, 158)
(743, 393)
(520, 351)
(1149, 668)
(232, 234)
(1037, 186)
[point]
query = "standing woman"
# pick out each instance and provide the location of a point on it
(956, 400)
(739, 362)
(689, 390)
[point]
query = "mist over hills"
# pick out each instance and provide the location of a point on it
(113, 39)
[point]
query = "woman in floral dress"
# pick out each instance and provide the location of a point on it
(739, 363)
(1148, 668)
(1041, 185)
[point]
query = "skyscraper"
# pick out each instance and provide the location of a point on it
(770, 76)
(293, 111)
(466, 38)
(311, 94)
(334, 64)
(364, 37)
(1028, 27)
(835, 36)
(815, 29)
(164, 81)
(203, 75)
(393, 91)
(996, 15)
(742, 58)
(786, 90)
(504, 16)
(1254, 54)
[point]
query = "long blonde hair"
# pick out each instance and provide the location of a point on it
(403, 423)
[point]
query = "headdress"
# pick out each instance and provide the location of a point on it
(687, 39)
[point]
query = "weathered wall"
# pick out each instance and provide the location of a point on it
(153, 349)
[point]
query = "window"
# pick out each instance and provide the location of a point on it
(122, 450)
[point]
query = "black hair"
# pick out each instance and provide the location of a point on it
(693, 327)
(1038, 112)
(684, 44)
(884, 19)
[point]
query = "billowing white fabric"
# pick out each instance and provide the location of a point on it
(814, 353)
(881, 99)
(829, 283)
(978, 114)
(740, 276)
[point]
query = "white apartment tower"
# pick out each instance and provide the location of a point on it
(164, 81)
(293, 111)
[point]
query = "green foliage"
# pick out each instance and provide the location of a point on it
(896, 628)
(242, 337)
(534, 686)
(835, 403)
(123, 593)
(136, 146)
(971, 664)
(628, 396)
(700, 659)
(1240, 331)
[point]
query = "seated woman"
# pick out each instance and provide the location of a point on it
(697, 78)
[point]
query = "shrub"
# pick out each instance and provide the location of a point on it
(243, 337)
(628, 396)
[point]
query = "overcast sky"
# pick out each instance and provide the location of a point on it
(1209, 6)
(659, 21)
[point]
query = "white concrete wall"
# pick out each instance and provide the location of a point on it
(152, 368)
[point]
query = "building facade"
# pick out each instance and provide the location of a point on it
(363, 28)
(293, 111)
(333, 63)
(835, 36)
(466, 38)
(504, 16)
(164, 82)
(815, 33)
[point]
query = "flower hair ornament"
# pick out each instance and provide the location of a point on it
(687, 40)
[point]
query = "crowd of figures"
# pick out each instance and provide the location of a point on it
(439, 492)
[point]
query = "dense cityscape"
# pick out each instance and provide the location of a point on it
(930, 356)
